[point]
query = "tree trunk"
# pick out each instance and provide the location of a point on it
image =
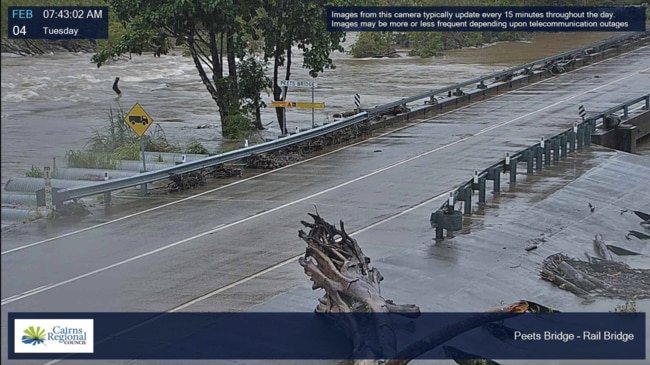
(258, 116)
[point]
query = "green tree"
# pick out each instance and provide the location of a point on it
(253, 81)
(288, 23)
(212, 31)
(372, 44)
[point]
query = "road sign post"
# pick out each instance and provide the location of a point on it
(292, 83)
(139, 121)
(312, 109)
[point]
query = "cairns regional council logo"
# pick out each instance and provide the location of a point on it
(54, 336)
(34, 336)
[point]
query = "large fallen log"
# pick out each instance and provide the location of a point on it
(596, 277)
(334, 262)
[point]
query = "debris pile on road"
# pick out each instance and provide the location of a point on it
(596, 277)
(186, 181)
(272, 160)
(297, 152)
(224, 171)
(74, 208)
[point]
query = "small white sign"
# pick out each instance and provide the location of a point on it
(292, 83)
(54, 336)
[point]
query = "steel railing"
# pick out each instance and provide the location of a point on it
(580, 130)
(157, 175)
(63, 195)
(510, 71)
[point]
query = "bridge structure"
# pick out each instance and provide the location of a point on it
(234, 247)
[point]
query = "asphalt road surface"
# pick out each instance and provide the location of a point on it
(202, 252)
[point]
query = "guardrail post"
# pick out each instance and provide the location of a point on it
(143, 189)
(563, 147)
(494, 174)
(107, 197)
(513, 169)
(528, 157)
(572, 137)
(538, 158)
(625, 112)
(581, 137)
(587, 138)
(555, 143)
(481, 190)
(547, 154)
(465, 195)
(647, 102)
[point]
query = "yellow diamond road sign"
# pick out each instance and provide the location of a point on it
(138, 120)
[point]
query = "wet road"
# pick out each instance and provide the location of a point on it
(184, 255)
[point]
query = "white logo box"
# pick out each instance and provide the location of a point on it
(61, 336)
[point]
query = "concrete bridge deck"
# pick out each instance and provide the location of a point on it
(232, 247)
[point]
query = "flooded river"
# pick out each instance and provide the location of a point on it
(52, 103)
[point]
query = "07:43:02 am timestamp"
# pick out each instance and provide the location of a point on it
(72, 14)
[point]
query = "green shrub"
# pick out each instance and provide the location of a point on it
(128, 152)
(195, 147)
(90, 160)
(35, 172)
(236, 126)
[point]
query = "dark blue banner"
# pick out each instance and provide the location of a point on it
(58, 22)
(486, 18)
(312, 336)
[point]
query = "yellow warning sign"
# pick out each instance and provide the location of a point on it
(138, 120)
(297, 104)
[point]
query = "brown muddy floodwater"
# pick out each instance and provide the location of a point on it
(52, 103)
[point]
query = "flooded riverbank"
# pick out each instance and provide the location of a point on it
(52, 103)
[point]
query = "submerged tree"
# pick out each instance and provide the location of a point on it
(212, 31)
(253, 81)
(288, 23)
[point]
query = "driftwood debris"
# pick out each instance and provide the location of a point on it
(335, 262)
(191, 180)
(297, 152)
(596, 277)
(186, 181)
(74, 208)
(601, 248)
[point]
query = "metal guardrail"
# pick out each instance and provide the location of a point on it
(510, 71)
(107, 187)
(153, 176)
(446, 217)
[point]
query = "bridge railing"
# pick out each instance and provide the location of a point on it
(535, 157)
(63, 195)
(508, 72)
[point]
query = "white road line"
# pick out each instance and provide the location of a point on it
(224, 186)
(408, 125)
(251, 277)
(25, 293)
(272, 210)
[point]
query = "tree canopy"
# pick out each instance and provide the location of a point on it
(218, 33)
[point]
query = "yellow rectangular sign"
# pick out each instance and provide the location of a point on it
(297, 104)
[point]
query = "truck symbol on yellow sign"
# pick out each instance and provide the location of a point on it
(138, 120)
